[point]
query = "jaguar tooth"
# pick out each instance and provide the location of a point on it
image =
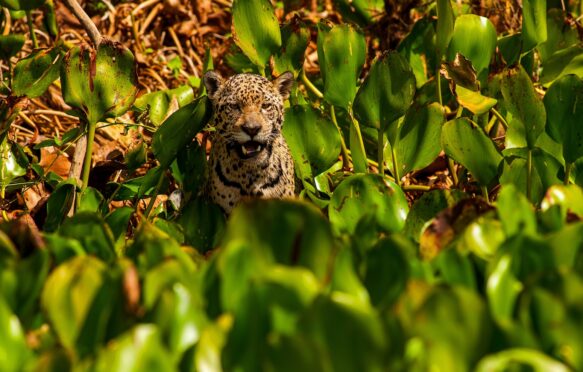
(244, 149)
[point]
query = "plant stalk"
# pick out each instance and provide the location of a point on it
(88, 152)
(568, 168)
(310, 85)
(395, 167)
(155, 196)
(357, 129)
(485, 194)
(381, 151)
(438, 79)
(500, 117)
(451, 166)
(529, 174)
(344, 149)
(31, 29)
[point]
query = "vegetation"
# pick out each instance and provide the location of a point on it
(439, 146)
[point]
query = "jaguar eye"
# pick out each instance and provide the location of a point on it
(266, 106)
(233, 107)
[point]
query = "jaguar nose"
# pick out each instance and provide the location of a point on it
(251, 128)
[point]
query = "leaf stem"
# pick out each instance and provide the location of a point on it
(568, 168)
(310, 85)
(357, 130)
(88, 152)
(155, 195)
(416, 188)
(344, 149)
(500, 117)
(438, 79)
(485, 194)
(395, 167)
(529, 174)
(451, 166)
(381, 148)
(31, 29)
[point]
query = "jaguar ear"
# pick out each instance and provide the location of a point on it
(283, 83)
(212, 81)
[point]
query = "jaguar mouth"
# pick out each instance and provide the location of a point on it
(250, 149)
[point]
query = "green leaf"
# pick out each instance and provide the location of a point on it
(418, 142)
(203, 224)
(256, 30)
(361, 195)
(475, 38)
(515, 212)
(386, 93)
(418, 47)
(563, 62)
(69, 293)
(93, 233)
(288, 232)
(534, 23)
(59, 203)
(561, 34)
(364, 350)
(510, 47)
(179, 130)
(158, 103)
(290, 57)
(99, 84)
(313, 140)
(474, 101)
(9, 166)
(341, 54)
(345, 278)
(14, 352)
(570, 198)
(517, 358)
(521, 100)
(564, 104)
(10, 45)
(466, 143)
(484, 236)
(22, 4)
(118, 221)
(445, 26)
(34, 74)
(363, 12)
(90, 200)
(426, 207)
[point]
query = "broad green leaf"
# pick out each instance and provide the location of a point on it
(9, 166)
(139, 349)
(10, 45)
(289, 232)
(22, 4)
(521, 100)
(99, 84)
(14, 352)
(34, 74)
(534, 23)
(418, 142)
(313, 140)
(118, 221)
(59, 203)
(295, 37)
(475, 38)
(386, 93)
(544, 175)
(90, 200)
(564, 105)
(341, 54)
(364, 350)
(515, 212)
(510, 47)
(203, 224)
(361, 195)
(445, 26)
(474, 101)
(570, 198)
(484, 236)
(256, 30)
(93, 233)
(427, 206)
(566, 245)
(418, 48)
(345, 278)
(560, 34)
(30, 286)
(69, 293)
(466, 143)
(517, 358)
(563, 62)
(158, 103)
(363, 12)
(179, 129)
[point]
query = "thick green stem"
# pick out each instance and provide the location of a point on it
(500, 117)
(395, 167)
(343, 148)
(529, 174)
(88, 152)
(451, 165)
(310, 85)
(416, 188)
(357, 131)
(438, 80)
(568, 168)
(381, 151)
(31, 29)
(485, 194)
(155, 196)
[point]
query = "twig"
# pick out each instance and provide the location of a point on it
(7, 21)
(85, 21)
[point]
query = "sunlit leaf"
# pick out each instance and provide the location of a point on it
(474, 101)
(34, 74)
(534, 23)
(475, 38)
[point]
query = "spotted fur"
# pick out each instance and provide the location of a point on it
(248, 112)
